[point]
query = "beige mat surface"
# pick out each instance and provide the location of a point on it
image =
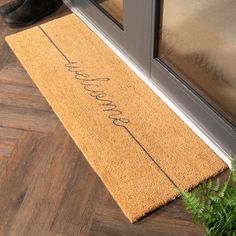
(139, 148)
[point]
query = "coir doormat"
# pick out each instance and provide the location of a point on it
(139, 148)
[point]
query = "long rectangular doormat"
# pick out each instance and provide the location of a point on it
(139, 148)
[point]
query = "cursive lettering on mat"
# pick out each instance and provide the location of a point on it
(93, 88)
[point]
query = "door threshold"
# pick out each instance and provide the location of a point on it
(147, 80)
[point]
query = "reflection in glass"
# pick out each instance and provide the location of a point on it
(113, 7)
(197, 39)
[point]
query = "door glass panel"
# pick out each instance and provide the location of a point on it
(112, 8)
(197, 40)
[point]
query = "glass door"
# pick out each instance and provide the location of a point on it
(194, 57)
(126, 22)
(113, 9)
(198, 42)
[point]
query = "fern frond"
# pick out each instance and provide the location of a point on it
(213, 204)
(222, 190)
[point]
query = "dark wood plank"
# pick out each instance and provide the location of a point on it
(18, 172)
(8, 140)
(105, 225)
(24, 97)
(13, 75)
(27, 119)
(50, 172)
(77, 208)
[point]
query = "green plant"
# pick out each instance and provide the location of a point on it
(213, 204)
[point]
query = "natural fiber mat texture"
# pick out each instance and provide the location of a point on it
(139, 148)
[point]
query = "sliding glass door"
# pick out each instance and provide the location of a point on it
(198, 42)
(194, 57)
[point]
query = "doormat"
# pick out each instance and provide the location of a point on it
(138, 147)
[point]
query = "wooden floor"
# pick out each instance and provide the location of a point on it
(47, 188)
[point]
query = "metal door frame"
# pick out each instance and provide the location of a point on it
(134, 37)
(217, 128)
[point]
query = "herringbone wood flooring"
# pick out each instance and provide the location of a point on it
(47, 188)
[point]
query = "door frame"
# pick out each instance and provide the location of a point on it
(134, 37)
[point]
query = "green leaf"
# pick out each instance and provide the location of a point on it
(213, 204)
